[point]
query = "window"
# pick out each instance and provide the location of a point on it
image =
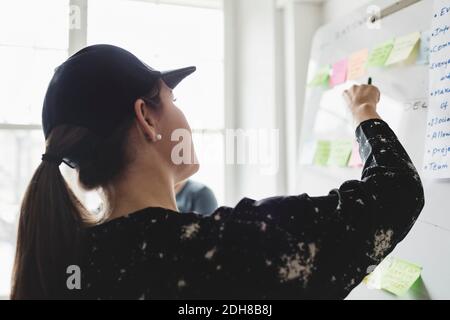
(30, 48)
(163, 35)
(170, 36)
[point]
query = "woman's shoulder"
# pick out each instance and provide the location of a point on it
(154, 216)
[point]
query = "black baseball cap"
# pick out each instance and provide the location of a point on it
(97, 87)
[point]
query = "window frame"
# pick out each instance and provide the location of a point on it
(78, 40)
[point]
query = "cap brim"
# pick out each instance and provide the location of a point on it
(173, 77)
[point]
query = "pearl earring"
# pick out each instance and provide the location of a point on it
(158, 137)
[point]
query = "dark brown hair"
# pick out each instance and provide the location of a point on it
(52, 219)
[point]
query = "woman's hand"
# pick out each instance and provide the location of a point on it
(362, 101)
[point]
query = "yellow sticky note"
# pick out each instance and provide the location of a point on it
(322, 77)
(340, 151)
(380, 54)
(322, 153)
(357, 64)
(394, 275)
(403, 48)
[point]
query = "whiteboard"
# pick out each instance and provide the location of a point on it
(404, 106)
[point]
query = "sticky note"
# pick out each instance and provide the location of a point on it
(424, 51)
(322, 77)
(322, 154)
(380, 54)
(394, 275)
(403, 48)
(340, 151)
(355, 159)
(339, 72)
(357, 64)
(400, 276)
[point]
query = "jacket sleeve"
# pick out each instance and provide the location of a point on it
(322, 247)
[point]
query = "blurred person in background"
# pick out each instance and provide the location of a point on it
(195, 197)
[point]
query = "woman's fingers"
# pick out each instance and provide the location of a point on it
(362, 101)
(363, 94)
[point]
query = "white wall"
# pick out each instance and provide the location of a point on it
(268, 45)
(337, 8)
(250, 79)
(302, 19)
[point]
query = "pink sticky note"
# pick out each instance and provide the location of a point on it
(339, 74)
(355, 160)
(357, 64)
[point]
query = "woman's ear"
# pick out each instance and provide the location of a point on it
(146, 120)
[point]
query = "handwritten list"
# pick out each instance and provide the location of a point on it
(437, 147)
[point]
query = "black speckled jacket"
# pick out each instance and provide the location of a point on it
(296, 247)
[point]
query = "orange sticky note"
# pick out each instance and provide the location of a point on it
(357, 64)
(339, 73)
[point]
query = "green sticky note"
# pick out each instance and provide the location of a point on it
(322, 77)
(340, 152)
(395, 275)
(322, 154)
(380, 54)
(400, 276)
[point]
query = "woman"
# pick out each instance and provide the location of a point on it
(111, 117)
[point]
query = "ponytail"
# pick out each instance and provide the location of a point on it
(50, 225)
(52, 219)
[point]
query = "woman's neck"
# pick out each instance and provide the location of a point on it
(140, 189)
